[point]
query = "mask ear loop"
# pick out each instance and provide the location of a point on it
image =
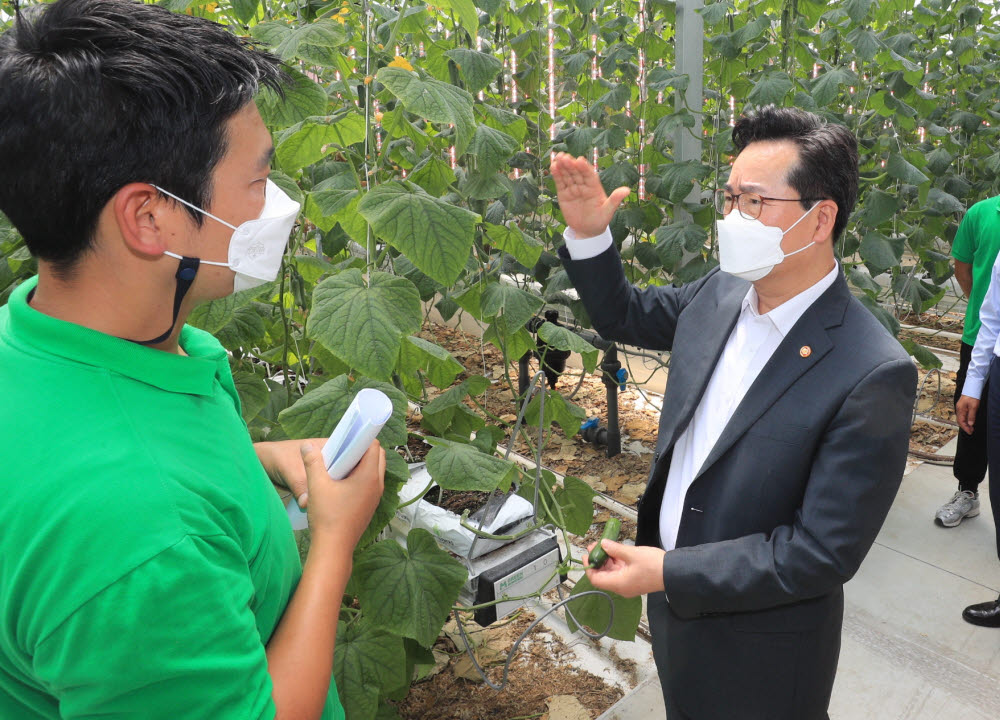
(186, 270)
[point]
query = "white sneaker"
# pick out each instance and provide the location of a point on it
(964, 504)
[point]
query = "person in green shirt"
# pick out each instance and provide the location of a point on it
(975, 250)
(147, 566)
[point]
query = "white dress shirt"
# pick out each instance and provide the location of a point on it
(750, 345)
(987, 341)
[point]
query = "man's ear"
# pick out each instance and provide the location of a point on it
(826, 218)
(144, 218)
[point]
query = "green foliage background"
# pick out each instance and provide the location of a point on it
(427, 186)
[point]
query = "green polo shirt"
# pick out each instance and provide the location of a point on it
(977, 243)
(145, 558)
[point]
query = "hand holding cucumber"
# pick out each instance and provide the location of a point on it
(598, 556)
(627, 570)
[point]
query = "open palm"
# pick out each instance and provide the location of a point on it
(584, 204)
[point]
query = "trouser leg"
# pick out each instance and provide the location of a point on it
(971, 454)
(993, 430)
(656, 613)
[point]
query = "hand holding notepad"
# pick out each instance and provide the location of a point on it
(370, 410)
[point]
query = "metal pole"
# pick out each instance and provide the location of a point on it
(689, 34)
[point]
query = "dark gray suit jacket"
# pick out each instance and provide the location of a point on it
(788, 501)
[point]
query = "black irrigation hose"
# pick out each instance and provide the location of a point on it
(513, 651)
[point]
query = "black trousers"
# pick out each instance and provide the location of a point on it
(971, 456)
(993, 432)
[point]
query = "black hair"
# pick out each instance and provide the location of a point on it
(828, 155)
(96, 94)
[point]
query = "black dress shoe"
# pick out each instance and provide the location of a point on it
(985, 614)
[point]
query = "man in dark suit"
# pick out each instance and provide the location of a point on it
(784, 429)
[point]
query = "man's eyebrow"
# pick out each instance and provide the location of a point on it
(265, 159)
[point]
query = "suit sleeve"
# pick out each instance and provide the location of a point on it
(620, 311)
(174, 638)
(853, 480)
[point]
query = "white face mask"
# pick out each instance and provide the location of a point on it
(749, 249)
(256, 247)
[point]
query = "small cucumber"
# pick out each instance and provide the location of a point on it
(611, 530)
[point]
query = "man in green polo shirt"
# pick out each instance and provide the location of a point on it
(147, 567)
(975, 250)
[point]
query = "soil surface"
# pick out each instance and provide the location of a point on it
(935, 342)
(543, 668)
(950, 321)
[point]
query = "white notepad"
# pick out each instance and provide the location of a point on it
(370, 410)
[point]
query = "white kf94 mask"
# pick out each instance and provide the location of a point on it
(749, 249)
(255, 248)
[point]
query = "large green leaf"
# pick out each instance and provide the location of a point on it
(465, 15)
(576, 502)
(941, 203)
(900, 169)
(558, 410)
(245, 10)
(317, 413)
(435, 176)
(459, 466)
(253, 393)
(594, 611)
(857, 9)
(323, 207)
(563, 338)
(214, 315)
(878, 207)
(363, 324)
(674, 239)
(434, 234)
(396, 474)
(441, 409)
(436, 101)
(570, 505)
(441, 368)
(367, 660)
(309, 141)
(318, 42)
(302, 100)
(492, 148)
(525, 249)
(880, 252)
(517, 305)
(478, 68)
(409, 592)
(827, 85)
(679, 178)
(770, 89)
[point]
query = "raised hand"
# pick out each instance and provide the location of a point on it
(584, 204)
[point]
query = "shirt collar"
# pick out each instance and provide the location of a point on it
(193, 375)
(788, 313)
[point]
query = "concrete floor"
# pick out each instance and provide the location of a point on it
(907, 654)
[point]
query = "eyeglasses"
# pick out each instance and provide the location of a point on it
(749, 204)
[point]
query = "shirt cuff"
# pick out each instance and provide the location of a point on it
(973, 387)
(586, 248)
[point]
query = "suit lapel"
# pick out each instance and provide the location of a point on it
(786, 365)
